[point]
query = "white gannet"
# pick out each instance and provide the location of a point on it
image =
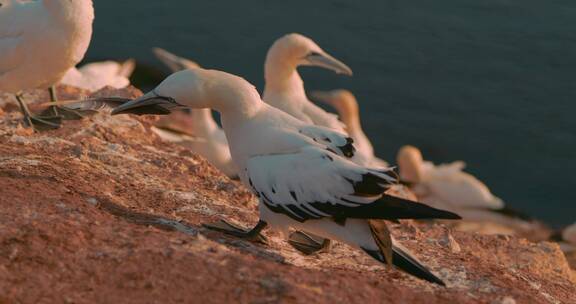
(209, 139)
(566, 238)
(97, 75)
(346, 105)
(284, 87)
(448, 187)
(299, 171)
(39, 42)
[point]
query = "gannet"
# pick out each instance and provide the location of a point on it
(566, 238)
(346, 105)
(299, 171)
(97, 75)
(284, 88)
(448, 187)
(209, 139)
(39, 42)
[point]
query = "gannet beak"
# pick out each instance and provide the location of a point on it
(328, 62)
(150, 103)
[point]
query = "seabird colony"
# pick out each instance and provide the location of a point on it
(310, 170)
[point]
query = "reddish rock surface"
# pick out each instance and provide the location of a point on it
(102, 211)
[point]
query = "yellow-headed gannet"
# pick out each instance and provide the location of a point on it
(448, 187)
(284, 87)
(346, 105)
(97, 75)
(39, 42)
(209, 139)
(300, 172)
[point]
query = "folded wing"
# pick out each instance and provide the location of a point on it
(313, 183)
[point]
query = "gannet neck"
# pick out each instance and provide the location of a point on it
(411, 164)
(347, 107)
(203, 122)
(232, 96)
(281, 75)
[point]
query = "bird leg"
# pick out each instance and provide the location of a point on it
(230, 229)
(308, 243)
(55, 111)
(37, 123)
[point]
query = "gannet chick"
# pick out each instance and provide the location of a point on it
(448, 187)
(98, 75)
(39, 42)
(298, 170)
(209, 139)
(346, 105)
(284, 87)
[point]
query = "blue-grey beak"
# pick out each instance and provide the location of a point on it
(150, 103)
(328, 62)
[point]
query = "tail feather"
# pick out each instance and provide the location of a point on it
(403, 261)
(393, 208)
(381, 235)
(410, 265)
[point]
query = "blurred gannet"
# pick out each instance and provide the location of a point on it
(347, 107)
(299, 171)
(285, 89)
(566, 238)
(97, 75)
(209, 139)
(39, 42)
(447, 187)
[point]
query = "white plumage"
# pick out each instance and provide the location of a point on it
(97, 75)
(448, 187)
(444, 185)
(346, 105)
(284, 87)
(41, 40)
(209, 139)
(301, 172)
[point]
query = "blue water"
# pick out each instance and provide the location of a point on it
(491, 82)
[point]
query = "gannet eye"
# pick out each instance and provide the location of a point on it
(313, 54)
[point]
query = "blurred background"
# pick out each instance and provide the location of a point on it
(490, 82)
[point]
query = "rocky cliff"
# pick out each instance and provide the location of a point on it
(102, 211)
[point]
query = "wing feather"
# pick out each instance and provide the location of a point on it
(313, 183)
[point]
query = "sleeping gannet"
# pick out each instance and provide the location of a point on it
(39, 42)
(97, 75)
(448, 187)
(346, 105)
(300, 172)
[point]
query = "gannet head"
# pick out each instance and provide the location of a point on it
(197, 89)
(410, 164)
(294, 50)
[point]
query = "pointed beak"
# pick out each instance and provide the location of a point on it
(150, 103)
(326, 61)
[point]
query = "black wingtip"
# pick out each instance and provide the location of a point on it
(390, 207)
(406, 263)
(513, 213)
